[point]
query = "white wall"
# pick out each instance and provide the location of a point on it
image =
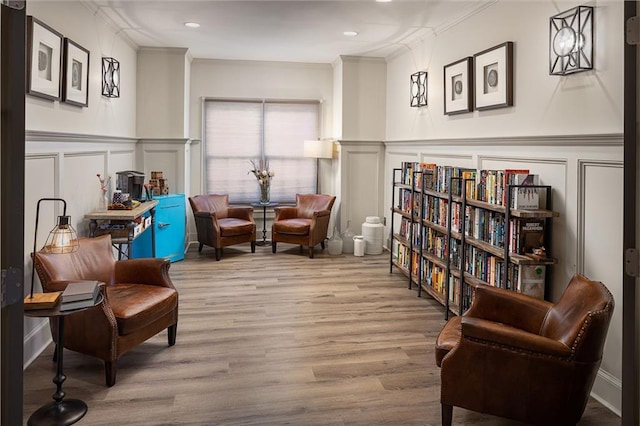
(566, 129)
(584, 103)
(103, 116)
(163, 84)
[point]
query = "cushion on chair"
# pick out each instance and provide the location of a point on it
(136, 305)
(448, 338)
(297, 226)
(230, 227)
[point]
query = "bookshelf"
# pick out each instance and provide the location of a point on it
(456, 233)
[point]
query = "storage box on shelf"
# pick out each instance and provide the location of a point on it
(453, 240)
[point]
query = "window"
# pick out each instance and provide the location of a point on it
(237, 132)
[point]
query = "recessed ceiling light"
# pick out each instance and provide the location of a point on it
(383, 1)
(350, 33)
(191, 24)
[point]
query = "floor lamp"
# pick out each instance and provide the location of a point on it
(61, 239)
(318, 149)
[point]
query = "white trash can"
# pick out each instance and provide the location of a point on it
(358, 245)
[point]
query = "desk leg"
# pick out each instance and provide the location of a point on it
(153, 231)
(93, 225)
(60, 411)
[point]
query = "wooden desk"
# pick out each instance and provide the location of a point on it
(128, 217)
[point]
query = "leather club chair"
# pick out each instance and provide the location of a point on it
(515, 356)
(305, 224)
(219, 225)
(139, 300)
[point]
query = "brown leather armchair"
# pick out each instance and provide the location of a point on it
(515, 356)
(219, 225)
(139, 300)
(304, 224)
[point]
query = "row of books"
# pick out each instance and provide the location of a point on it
(525, 235)
(483, 185)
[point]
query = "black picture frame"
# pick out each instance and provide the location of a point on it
(75, 82)
(458, 87)
(44, 60)
(494, 77)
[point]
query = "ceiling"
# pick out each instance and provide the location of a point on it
(295, 31)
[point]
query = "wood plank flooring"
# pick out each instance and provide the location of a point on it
(280, 339)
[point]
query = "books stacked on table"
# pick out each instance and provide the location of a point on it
(79, 295)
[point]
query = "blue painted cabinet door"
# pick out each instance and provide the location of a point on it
(170, 229)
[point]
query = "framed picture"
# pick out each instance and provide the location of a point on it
(458, 87)
(44, 54)
(75, 83)
(494, 77)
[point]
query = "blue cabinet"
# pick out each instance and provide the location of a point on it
(170, 226)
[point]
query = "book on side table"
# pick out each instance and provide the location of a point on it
(80, 294)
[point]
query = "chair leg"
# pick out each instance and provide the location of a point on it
(447, 414)
(310, 252)
(110, 370)
(218, 253)
(322, 244)
(300, 248)
(171, 332)
(273, 247)
(200, 248)
(253, 246)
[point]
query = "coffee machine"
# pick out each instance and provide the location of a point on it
(131, 182)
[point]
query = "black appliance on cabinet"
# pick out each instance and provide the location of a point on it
(131, 182)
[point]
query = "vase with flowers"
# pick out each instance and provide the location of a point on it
(104, 187)
(263, 174)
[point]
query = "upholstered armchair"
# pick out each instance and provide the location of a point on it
(139, 300)
(515, 356)
(305, 224)
(220, 225)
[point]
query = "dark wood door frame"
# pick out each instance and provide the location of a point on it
(12, 126)
(630, 395)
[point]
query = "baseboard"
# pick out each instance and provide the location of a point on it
(607, 390)
(36, 342)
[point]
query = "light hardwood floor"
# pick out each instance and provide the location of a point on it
(268, 339)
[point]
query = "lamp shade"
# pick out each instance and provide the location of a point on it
(318, 149)
(62, 238)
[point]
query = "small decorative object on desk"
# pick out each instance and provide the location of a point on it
(103, 205)
(264, 175)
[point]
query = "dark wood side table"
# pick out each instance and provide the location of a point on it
(264, 206)
(61, 411)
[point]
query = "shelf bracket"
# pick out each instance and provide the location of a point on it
(631, 262)
(633, 31)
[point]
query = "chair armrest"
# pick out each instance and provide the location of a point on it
(245, 213)
(511, 337)
(204, 215)
(321, 213)
(151, 271)
(508, 307)
(282, 213)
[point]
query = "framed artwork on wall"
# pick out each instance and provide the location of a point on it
(75, 83)
(458, 87)
(494, 77)
(44, 54)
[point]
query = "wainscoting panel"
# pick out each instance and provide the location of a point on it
(600, 258)
(80, 185)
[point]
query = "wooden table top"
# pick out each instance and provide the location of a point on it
(123, 214)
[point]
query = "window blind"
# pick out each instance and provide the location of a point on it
(237, 132)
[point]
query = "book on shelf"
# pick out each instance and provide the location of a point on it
(81, 290)
(41, 300)
(508, 180)
(525, 198)
(527, 235)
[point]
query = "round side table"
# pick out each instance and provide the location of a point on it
(61, 411)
